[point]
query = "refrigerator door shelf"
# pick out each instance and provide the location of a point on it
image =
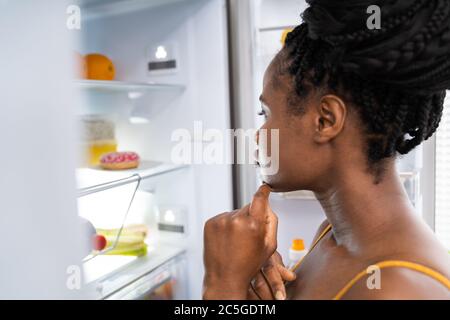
(107, 275)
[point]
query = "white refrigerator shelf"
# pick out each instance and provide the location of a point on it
(106, 275)
(125, 86)
(107, 179)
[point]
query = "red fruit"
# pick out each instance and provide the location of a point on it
(98, 242)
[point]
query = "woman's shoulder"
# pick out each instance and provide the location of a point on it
(414, 266)
(398, 283)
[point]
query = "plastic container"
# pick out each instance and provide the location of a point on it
(97, 138)
(296, 252)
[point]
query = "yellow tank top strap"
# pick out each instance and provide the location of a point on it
(324, 232)
(396, 264)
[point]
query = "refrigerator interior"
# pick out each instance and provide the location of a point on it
(146, 108)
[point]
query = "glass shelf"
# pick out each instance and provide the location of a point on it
(92, 180)
(108, 274)
(126, 87)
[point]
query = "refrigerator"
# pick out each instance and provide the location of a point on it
(170, 88)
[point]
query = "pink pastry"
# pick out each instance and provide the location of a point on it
(119, 160)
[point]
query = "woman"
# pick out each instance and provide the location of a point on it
(346, 100)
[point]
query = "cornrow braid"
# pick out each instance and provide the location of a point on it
(396, 77)
(362, 35)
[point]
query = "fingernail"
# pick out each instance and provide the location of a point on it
(279, 295)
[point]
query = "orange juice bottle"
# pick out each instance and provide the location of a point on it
(98, 136)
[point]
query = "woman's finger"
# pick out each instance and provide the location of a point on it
(241, 212)
(253, 294)
(276, 283)
(262, 287)
(260, 208)
(286, 274)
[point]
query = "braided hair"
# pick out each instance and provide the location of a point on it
(395, 76)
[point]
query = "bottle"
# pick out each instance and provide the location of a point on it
(296, 252)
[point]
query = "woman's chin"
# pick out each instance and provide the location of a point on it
(282, 189)
(278, 185)
(275, 184)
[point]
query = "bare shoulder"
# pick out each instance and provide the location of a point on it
(415, 266)
(397, 284)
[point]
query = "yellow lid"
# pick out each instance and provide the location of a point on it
(298, 245)
(284, 35)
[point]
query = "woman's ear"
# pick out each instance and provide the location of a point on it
(329, 119)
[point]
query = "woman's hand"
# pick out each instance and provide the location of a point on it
(236, 246)
(269, 283)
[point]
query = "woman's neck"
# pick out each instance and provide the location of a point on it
(359, 210)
